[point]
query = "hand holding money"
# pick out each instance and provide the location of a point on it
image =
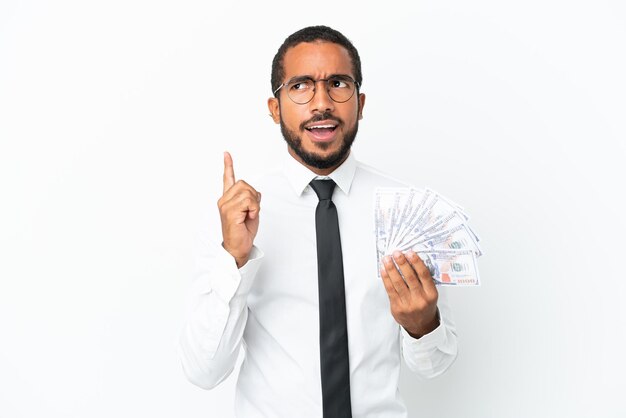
(412, 293)
(427, 223)
(239, 209)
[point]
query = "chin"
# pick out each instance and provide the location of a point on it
(322, 160)
(320, 155)
(324, 148)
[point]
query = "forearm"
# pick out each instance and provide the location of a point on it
(433, 353)
(210, 341)
(212, 334)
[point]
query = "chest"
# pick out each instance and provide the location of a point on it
(287, 237)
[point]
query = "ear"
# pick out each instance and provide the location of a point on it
(274, 107)
(361, 105)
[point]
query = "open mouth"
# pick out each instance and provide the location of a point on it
(322, 131)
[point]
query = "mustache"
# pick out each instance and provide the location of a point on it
(318, 117)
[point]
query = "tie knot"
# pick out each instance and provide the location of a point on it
(323, 188)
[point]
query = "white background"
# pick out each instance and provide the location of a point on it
(113, 119)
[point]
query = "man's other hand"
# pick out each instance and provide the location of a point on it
(412, 293)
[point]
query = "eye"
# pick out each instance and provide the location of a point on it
(338, 83)
(301, 85)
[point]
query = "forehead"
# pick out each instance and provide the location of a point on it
(317, 59)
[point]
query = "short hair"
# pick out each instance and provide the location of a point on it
(312, 34)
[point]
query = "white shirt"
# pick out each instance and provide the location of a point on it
(271, 306)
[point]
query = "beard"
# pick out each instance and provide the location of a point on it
(312, 159)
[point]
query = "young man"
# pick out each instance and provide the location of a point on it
(323, 326)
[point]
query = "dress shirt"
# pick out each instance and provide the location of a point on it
(270, 305)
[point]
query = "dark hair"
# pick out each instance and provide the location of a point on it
(311, 34)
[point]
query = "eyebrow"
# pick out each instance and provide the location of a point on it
(309, 77)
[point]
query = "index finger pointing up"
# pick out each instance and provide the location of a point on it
(229, 172)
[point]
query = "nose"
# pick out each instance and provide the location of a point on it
(321, 101)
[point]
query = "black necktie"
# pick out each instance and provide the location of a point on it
(332, 305)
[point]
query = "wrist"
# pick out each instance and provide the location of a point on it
(240, 260)
(427, 328)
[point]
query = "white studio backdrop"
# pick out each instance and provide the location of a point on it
(113, 119)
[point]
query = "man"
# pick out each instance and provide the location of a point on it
(264, 285)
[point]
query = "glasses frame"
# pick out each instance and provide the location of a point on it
(326, 80)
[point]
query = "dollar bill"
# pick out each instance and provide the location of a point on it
(431, 225)
(452, 267)
(456, 238)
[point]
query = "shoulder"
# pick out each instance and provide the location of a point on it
(369, 174)
(272, 182)
(270, 177)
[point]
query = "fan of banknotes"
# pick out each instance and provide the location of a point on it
(432, 226)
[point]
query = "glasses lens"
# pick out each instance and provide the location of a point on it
(301, 91)
(340, 89)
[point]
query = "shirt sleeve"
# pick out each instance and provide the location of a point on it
(211, 337)
(433, 353)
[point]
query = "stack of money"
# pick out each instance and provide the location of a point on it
(432, 226)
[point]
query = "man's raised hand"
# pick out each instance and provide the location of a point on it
(239, 211)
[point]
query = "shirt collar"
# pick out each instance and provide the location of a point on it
(299, 176)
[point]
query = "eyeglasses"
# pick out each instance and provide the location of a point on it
(301, 90)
